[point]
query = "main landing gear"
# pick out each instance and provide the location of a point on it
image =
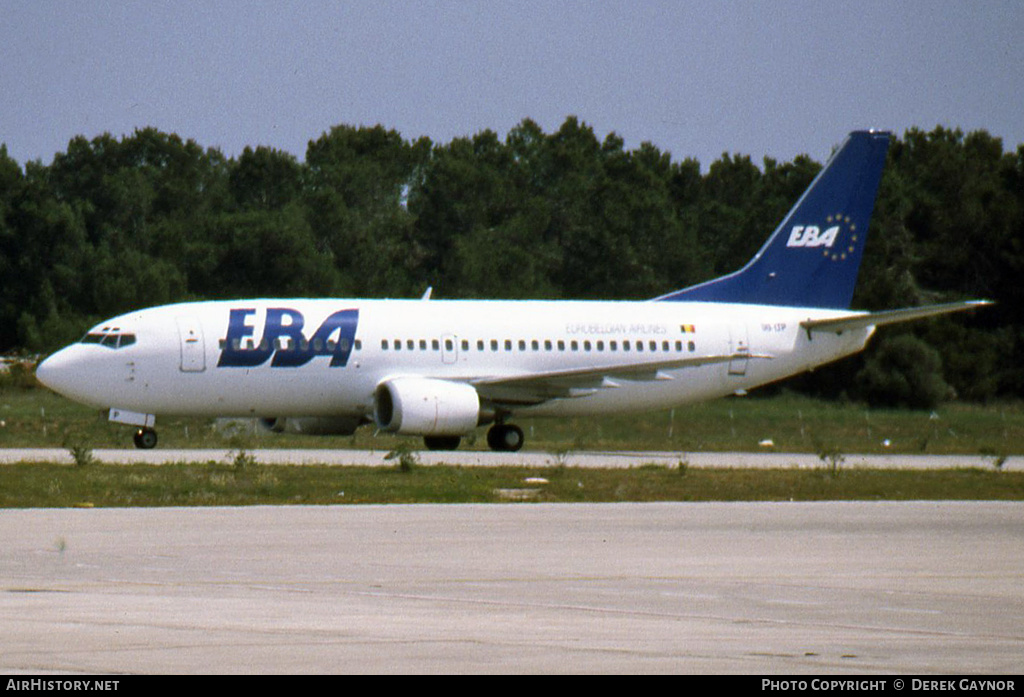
(506, 438)
(442, 442)
(145, 438)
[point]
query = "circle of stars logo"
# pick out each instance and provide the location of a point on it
(839, 250)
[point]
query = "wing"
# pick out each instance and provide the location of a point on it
(534, 388)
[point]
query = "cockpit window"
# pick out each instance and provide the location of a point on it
(111, 337)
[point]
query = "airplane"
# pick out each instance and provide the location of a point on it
(439, 369)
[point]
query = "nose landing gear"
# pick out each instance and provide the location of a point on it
(145, 438)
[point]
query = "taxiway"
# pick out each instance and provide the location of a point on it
(909, 588)
(486, 458)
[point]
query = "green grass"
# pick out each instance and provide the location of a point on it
(249, 483)
(38, 418)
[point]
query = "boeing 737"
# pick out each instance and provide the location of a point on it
(440, 369)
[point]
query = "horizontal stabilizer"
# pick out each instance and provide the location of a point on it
(878, 319)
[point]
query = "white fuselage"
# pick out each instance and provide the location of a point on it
(179, 358)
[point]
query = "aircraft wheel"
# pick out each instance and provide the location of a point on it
(506, 438)
(145, 439)
(442, 442)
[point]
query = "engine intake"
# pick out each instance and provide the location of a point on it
(426, 407)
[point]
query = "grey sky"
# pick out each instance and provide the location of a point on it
(773, 78)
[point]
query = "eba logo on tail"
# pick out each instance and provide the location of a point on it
(812, 236)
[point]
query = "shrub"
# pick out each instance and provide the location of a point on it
(903, 372)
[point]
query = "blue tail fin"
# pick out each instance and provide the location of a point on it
(812, 258)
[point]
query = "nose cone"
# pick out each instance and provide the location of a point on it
(65, 372)
(57, 371)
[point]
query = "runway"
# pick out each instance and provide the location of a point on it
(477, 458)
(871, 588)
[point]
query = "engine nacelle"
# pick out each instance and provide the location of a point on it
(313, 425)
(426, 407)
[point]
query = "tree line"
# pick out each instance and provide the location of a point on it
(115, 224)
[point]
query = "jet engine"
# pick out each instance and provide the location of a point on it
(313, 425)
(426, 407)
